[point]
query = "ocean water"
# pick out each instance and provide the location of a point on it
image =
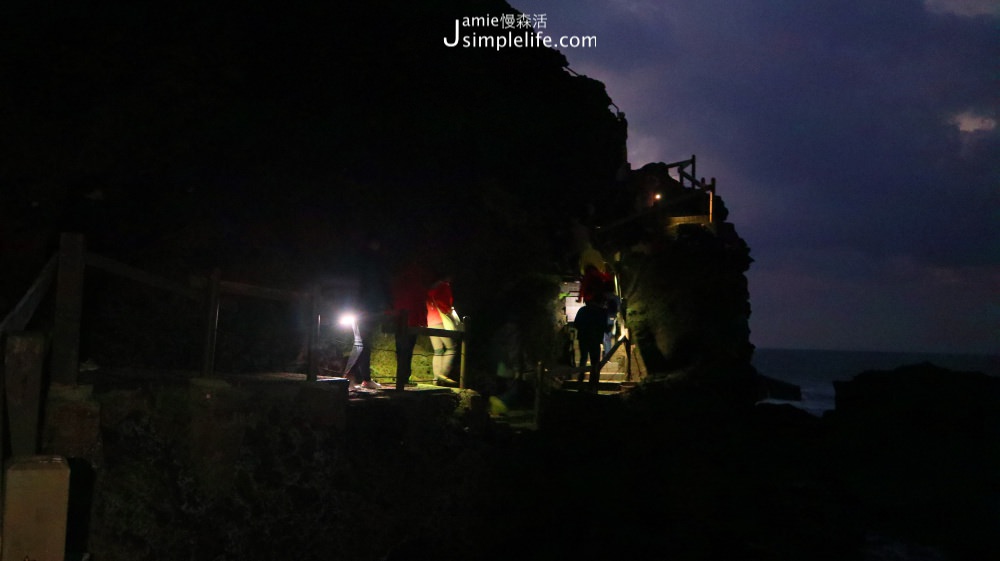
(814, 371)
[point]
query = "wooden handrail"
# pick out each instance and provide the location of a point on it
(243, 289)
(456, 334)
(21, 314)
(251, 290)
(117, 268)
(605, 360)
(691, 177)
(199, 290)
(434, 332)
(660, 207)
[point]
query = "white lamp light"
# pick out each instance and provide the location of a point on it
(347, 319)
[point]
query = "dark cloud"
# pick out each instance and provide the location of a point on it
(835, 129)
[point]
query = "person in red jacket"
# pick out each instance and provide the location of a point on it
(441, 314)
(594, 284)
(409, 296)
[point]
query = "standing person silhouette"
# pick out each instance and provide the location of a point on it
(591, 321)
(441, 314)
(373, 302)
(409, 295)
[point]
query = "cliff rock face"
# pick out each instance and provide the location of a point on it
(682, 269)
(273, 140)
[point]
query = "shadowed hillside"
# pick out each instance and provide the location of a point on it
(270, 140)
(277, 131)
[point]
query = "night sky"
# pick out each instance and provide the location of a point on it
(855, 143)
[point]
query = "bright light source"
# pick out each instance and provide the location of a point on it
(657, 196)
(347, 319)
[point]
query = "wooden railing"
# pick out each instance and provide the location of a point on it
(73, 259)
(690, 180)
(24, 359)
(22, 312)
(26, 352)
(621, 327)
(619, 342)
(696, 189)
(68, 267)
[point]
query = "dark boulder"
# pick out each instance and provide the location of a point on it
(918, 450)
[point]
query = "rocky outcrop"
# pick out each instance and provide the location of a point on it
(274, 468)
(202, 469)
(685, 285)
(918, 449)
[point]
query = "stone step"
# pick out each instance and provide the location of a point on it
(604, 386)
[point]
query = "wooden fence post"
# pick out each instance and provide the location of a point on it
(25, 357)
(538, 391)
(4, 369)
(3, 412)
(211, 325)
(462, 351)
(623, 310)
(312, 366)
(69, 307)
(628, 360)
(402, 335)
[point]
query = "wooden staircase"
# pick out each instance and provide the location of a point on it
(615, 373)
